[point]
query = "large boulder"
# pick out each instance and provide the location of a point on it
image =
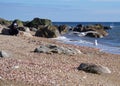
(37, 21)
(48, 32)
(92, 68)
(52, 48)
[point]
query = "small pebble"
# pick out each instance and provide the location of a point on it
(16, 67)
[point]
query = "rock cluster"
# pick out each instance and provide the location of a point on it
(45, 28)
(42, 27)
(97, 30)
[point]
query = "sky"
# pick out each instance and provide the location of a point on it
(62, 10)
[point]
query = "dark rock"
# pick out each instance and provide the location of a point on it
(78, 28)
(92, 68)
(79, 25)
(48, 32)
(13, 31)
(5, 31)
(63, 29)
(107, 27)
(51, 48)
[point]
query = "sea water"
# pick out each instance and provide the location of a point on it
(110, 43)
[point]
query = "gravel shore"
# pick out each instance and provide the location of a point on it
(26, 68)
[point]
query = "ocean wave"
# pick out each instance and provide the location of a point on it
(110, 43)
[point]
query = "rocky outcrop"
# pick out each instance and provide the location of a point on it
(36, 22)
(51, 48)
(97, 31)
(92, 68)
(48, 32)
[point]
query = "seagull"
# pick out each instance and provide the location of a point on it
(95, 43)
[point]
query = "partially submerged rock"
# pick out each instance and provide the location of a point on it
(97, 30)
(92, 68)
(63, 29)
(51, 48)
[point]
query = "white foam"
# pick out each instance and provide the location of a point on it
(76, 40)
(61, 38)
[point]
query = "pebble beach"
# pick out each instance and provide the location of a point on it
(23, 67)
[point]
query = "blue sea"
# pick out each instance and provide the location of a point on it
(110, 43)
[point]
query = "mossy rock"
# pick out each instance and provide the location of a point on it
(36, 22)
